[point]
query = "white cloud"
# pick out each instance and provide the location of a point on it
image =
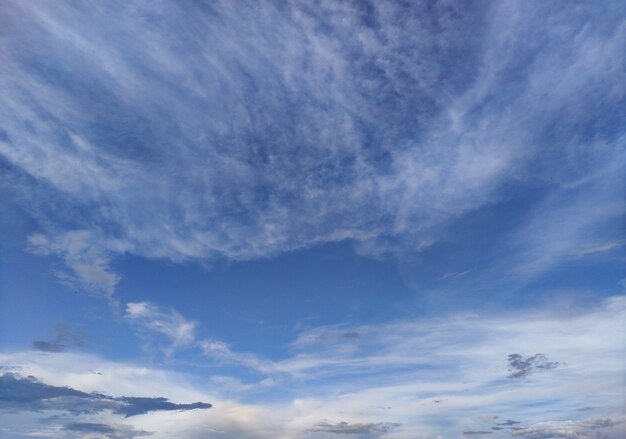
(571, 429)
(599, 248)
(82, 252)
(433, 376)
(167, 322)
(567, 223)
(264, 133)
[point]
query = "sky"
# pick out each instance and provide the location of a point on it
(312, 219)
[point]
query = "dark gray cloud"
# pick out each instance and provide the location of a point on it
(508, 422)
(359, 428)
(27, 393)
(109, 431)
(64, 339)
(476, 433)
(137, 406)
(521, 367)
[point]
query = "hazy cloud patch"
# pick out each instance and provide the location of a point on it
(344, 427)
(86, 259)
(567, 429)
(105, 430)
(64, 339)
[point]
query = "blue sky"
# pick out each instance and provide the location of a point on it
(318, 220)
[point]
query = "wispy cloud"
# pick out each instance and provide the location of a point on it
(251, 132)
(440, 345)
(85, 257)
(454, 274)
(599, 248)
(166, 322)
(211, 131)
(443, 360)
(427, 377)
(64, 339)
(180, 332)
(344, 427)
(567, 429)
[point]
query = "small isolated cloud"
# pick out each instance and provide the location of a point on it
(19, 393)
(222, 353)
(105, 430)
(357, 428)
(454, 274)
(164, 321)
(63, 340)
(521, 367)
(328, 336)
(476, 433)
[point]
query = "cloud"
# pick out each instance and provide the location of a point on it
(180, 332)
(28, 393)
(328, 335)
(136, 406)
(521, 367)
(348, 428)
(82, 253)
(64, 339)
(508, 422)
(476, 433)
(166, 322)
(455, 359)
(105, 430)
(454, 274)
(599, 248)
(222, 353)
(391, 375)
(245, 134)
(563, 224)
(234, 385)
(440, 344)
(566, 429)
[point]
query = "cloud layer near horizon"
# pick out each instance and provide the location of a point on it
(403, 379)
